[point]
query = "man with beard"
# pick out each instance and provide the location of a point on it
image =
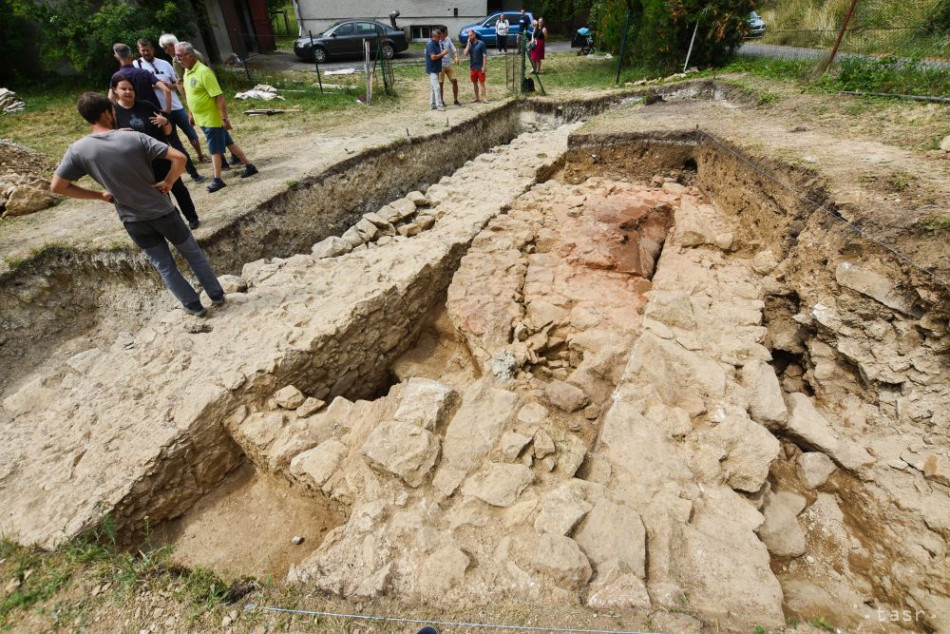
(121, 161)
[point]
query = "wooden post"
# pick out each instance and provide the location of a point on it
(844, 26)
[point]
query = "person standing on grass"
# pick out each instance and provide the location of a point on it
(209, 110)
(477, 63)
(121, 161)
(175, 110)
(537, 53)
(501, 33)
(434, 55)
(141, 116)
(452, 57)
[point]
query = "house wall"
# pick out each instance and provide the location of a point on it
(318, 15)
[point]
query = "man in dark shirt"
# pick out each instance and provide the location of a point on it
(434, 55)
(524, 22)
(144, 81)
(477, 53)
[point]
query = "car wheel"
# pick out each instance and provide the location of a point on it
(319, 55)
(388, 51)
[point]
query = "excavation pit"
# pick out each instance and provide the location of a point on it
(633, 372)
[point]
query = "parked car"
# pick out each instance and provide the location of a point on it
(756, 25)
(345, 39)
(485, 30)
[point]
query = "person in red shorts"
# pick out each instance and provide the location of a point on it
(477, 63)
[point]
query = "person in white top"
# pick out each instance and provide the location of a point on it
(501, 33)
(451, 57)
(177, 115)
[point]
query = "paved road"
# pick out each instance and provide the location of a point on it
(754, 49)
(287, 61)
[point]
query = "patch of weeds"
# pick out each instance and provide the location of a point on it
(767, 98)
(898, 182)
(935, 224)
(822, 624)
(97, 558)
(759, 630)
(14, 261)
(292, 183)
(793, 623)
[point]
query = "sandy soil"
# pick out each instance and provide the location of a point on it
(876, 158)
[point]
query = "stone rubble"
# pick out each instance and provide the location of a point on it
(597, 419)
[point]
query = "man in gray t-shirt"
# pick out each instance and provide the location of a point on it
(121, 161)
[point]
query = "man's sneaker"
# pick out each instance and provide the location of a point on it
(249, 170)
(457, 103)
(198, 178)
(194, 224)
(224, 164)
(215, 185)
(235, 160)
(195, 309)
(221, 301)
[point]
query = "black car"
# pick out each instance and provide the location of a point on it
(345, 39)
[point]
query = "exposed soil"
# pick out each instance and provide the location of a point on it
(877, 171)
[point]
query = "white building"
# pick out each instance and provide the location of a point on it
(416, 17)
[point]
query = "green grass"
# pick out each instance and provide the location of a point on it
(883, 75)
(95, 560)
(50, 121)
(935, 223)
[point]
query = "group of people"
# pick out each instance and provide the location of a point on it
(441, 55)
(534, 31)
(133, 151)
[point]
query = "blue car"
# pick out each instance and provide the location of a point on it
(485, 30)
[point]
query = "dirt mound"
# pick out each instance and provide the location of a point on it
(24, 186)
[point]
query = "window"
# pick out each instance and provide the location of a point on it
(344, 29)
(422, 31)
(365, 28)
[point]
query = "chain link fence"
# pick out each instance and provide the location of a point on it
(306, 77)
(869, 45)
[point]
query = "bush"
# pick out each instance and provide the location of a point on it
(80, 33)
(660, 31)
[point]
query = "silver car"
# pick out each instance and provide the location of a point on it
(756, 25)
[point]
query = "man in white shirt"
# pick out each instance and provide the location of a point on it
(451, 57)
(177, 115)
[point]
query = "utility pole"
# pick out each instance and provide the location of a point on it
(844, 27)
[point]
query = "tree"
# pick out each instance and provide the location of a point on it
(81, 33)
(659, 31)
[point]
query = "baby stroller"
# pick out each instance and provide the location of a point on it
(583, 39)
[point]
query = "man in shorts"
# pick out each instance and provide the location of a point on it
(477, 63)
(209, 110)
(451, 57)
(121, 161)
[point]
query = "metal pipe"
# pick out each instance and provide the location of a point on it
(857, 93)
(316, 64)
(844, 26)
(623, 45)
(690, 51)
